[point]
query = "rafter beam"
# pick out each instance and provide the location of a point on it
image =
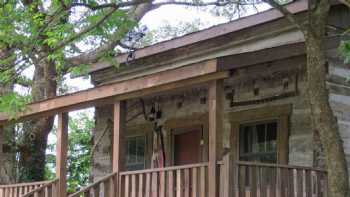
(106, 94)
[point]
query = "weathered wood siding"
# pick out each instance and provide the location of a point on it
(187, 107)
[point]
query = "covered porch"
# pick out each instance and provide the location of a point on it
(218, 172)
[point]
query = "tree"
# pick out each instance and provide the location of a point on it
(44, 35)
(79, 153)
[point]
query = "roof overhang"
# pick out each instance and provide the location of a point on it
(204, 35)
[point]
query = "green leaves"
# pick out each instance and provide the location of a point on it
(79, 152)
(344, 50)
(12, 104)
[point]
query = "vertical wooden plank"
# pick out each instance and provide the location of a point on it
(96, 190)
(187, 182)
(295, 182)
(215, 110)
(2, 192)
(279, 182)
(258, 181)
(119, 111)
(140, 188)
(61, 154)
(178, 183)
(20, 191)
(203, 182)
(194, 183)
(171, 183)
(162, 184)
(234, 142)
(127, 186)
(119, 135)
(133, 185)
(106, 188)
(112, 186)
(148, 183)
(154, 184)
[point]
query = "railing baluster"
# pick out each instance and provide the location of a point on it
(162, 184)
(126, 188)
(186, 183)
(171, 183)
(154, 184)
(133, 185)
(178, 183)
(203, 181)
(141, 190)
(194, 182)
(148, 184)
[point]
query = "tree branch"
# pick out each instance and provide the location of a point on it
(345, 2)
(136, 13)
(289, 16)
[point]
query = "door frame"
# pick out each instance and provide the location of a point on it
(180, 125)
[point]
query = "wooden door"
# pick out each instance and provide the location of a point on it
(187, 147)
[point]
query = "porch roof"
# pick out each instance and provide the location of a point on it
(204, 35)
(186, 76)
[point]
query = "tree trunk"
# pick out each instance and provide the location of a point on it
(7, 149)
(33, 151)
(322, 115)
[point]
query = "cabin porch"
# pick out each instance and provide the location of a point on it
(238, 169)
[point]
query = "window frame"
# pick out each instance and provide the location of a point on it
(279, 113)
(127, 151)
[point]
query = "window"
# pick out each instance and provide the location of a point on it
(135, 158)
(258, 142)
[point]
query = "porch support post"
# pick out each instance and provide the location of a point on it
(215, 110)
(119, 135)
(61, 154)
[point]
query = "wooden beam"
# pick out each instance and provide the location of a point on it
(61, 154)
(215, 110)
(269, 54)
(107, 94)
(119, 136)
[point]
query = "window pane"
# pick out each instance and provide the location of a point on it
(132, 150)
(135, 153)
(258, 142)
(140, 150)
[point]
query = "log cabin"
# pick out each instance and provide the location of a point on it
(220, 112)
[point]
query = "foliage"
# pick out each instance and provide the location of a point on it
(79, 152)
(13, 103)
(344, 50)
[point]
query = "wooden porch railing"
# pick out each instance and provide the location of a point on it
(106, 187)
(237, 179)
(273, 180)
(47, 190)
(20, 190)
(179, 181)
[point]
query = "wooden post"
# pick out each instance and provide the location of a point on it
(61, 154)
(119, 135)
(118, 158)
(215, 101)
